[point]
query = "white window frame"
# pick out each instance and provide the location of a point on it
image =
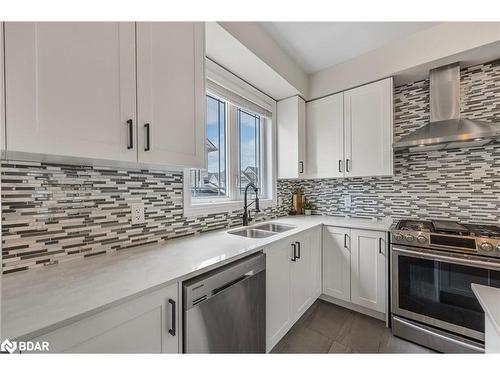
(268, 152)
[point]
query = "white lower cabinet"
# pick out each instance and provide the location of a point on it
(368, 265)
(316, 272)
(336, 263)
(354, 266)
(278, 258)
(291, 282)
(146, 324)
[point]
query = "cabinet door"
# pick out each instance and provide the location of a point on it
(278, 259)
(368, 130)
(70, 89)
(337, 262)
(300, 274)
(147, 324)
(291, 137)
(368, 269)
(316, 270)
(325, 137)
(2, 87)
(171, 93)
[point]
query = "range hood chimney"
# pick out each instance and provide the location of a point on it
(446, 129)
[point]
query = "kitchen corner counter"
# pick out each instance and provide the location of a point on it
(489, 299)
(40, 300)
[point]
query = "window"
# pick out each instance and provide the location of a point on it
(249, 146)
(211, 183)
(239, 150)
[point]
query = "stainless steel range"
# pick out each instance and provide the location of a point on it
(433, 264)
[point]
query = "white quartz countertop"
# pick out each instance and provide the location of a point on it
(38, 301)
(489, 298)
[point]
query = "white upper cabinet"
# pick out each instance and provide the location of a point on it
(368, 118)
(70, 89)
(171, 93)
(325, 137)
(2, 81)
(368, 269)
(291, 122)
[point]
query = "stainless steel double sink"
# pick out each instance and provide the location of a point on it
(262, 230)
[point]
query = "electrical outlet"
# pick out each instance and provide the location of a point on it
(347, 201)
(137, 210)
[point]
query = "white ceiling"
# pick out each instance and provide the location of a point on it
(318, 45)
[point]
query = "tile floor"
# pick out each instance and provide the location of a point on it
(328, 328)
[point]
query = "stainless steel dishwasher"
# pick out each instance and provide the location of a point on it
(225, 309)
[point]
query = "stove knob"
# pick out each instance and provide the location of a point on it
(486, 246)
(409, 238)
(398, 236)
(421, 239)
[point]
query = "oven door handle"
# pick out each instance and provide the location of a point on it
(444, 258)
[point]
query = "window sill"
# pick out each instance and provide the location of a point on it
(222, 207)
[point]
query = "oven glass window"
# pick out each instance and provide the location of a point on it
(442, 290)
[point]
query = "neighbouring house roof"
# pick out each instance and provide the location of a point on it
(210, 146)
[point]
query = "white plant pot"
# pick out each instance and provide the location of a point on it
(307, 212)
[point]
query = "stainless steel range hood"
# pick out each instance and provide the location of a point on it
(446, 129)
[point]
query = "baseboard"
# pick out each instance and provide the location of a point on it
(351, 306)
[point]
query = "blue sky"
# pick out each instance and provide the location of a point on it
(247, 137)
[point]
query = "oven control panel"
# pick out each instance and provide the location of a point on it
(476, 245)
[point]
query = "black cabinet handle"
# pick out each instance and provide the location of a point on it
(294, 251)
(130, 125)
(345, 240)
(172, 330)
(347, 165)
(340, 166)
(298, 249)
(380, 245)
(301, 166)
(147, 147)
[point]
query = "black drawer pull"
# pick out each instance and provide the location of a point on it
(172, 330)
(298, 249)
(130, 125)
(294, 258)
(147, 147)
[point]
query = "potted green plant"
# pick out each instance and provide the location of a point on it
(307, 207)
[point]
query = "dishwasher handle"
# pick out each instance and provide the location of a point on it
(231, 283)
(203, 287)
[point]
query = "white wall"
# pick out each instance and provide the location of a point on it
(256, 39)
(421, 49)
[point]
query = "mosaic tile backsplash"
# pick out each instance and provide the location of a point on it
(460, 184)
(55, 213)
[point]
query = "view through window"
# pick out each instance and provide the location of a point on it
(212, 182)
(249, 131)
(246, 128)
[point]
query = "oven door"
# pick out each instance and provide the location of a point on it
(434, 288)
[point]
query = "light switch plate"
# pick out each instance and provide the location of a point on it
(137, 210)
